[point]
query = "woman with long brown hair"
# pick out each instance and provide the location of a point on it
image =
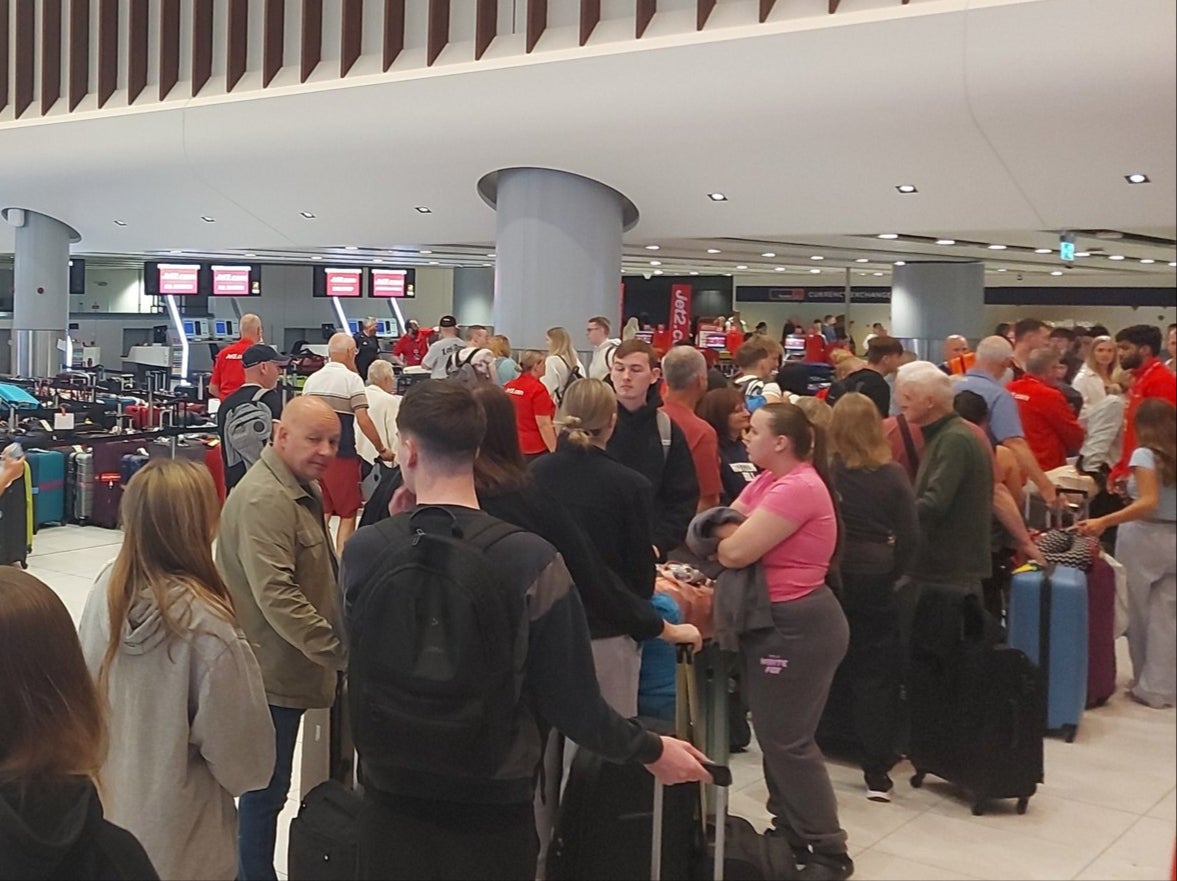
(562, 366)
(725, 410)
(1094, 380)
(52, 744)
(880, 534)
(791, 531)
(190, 726)
(1145, 540)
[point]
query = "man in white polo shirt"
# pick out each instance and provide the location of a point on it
(339, 384)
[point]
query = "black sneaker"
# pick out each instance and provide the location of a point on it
(827, 867)
(878, 787)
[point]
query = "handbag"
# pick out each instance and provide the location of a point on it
(1068, 549)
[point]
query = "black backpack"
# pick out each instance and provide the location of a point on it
(434, 672)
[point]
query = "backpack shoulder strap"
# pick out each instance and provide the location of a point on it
(259, 394)
(665, 433)
(908, 442)
(489, 533)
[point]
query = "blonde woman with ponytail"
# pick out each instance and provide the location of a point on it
(611, 504)
(190, 727)
(563, 366)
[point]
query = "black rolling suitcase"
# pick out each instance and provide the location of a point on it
(978, 712)
(15, 522)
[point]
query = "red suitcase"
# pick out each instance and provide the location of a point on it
(108, 486)
(144, 416)
(1101, 633)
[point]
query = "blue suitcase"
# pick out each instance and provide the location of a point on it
(15, 396)
(48, 471)
(1048, 621)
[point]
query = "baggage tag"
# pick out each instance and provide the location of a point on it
(63, 421)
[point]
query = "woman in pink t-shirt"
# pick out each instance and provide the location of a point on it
(791, 530)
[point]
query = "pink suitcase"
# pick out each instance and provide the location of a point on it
(1101, 639)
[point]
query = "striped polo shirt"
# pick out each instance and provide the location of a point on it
(343, 391)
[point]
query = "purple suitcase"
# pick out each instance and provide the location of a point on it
(1101, 633)
(108, 486)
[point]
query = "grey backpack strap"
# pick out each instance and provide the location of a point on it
(664, 433)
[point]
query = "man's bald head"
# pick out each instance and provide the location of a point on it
(955, 346)
(306, 438)
(251, 327)
(342, 348)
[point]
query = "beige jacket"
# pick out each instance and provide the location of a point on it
(278, 561)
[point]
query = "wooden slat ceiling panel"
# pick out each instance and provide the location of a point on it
(50, 54)
(439, 29)
(25, 46)
(169, 46)
(765, 9)
(645, 14)
(703, 9)
(237, 50)
(202, 44)
(3, 54)
(351, 35)
(273, 39)
(394, 31)
(537, 21)
(79, 51)
(590, 17)
(311, 51)
(485, 26)
(108, 49)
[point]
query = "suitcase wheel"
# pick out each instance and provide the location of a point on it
(1023, 803)
(1069, 732)
(917, 779)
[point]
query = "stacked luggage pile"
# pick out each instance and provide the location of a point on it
(84, 434)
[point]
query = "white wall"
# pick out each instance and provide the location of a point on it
(111, 289)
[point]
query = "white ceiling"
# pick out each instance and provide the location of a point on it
(1018, 119)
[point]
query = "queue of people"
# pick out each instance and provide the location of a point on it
(206, 664)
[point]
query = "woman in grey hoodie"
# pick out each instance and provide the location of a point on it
(189, 724)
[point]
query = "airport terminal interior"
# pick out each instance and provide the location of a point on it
(174, 175)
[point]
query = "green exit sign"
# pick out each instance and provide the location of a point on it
(1066, 249)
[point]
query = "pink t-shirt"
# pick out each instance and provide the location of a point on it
(798, 565)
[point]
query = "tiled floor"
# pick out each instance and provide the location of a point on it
(1107, 810)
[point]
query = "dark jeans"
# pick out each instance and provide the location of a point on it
(417, 839)
(257, 811)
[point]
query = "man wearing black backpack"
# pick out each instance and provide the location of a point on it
(468, 640)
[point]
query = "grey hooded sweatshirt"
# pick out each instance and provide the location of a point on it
(190, 729)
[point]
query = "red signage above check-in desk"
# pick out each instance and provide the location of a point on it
(231, 281)
(179, 279)
(392, 283)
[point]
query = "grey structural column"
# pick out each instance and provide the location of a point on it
(474, 295)
(558, 252)
(930, 301)
(40, 286)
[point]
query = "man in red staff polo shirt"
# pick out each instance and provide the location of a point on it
(1050, 425)
(1138, 347)
(412, 345)
(228, 372)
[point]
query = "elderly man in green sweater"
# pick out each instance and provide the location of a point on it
(954, 485)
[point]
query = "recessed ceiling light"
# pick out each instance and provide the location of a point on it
(1057, 272)
(1001, 270)
(351, 247)
(815, 270)
(378, 260)
(176, 252)
(1147, 260)
(657, 271)
(997, 247)
(491, 255)
(906, 189)
(779, 268)
(714, 251)
(1043, 251)
(208, 219)
(424, 252)
(768, 254)
(653, 247)
(655, 262)
(817, 257)
(421, 209)
(1136, 177)
(717, 197)
(1173, 262)
(120, 223)
(488, 264)
(693, 272)
(247, 254)
(862, 260)
(307, 215)
(434, 263)
(899, 263)
(888, 235)
(316, 257)
(742, 266)
(945, 241)
(877, 273)
(1115, 256)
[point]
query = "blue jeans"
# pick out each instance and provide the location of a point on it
(257, 811)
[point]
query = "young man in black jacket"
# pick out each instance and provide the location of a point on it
(421, 824)
(649, 442)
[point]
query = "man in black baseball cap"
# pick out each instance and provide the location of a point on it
(437, 358)
(245, 419)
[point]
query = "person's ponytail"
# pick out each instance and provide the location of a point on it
(577, 436)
